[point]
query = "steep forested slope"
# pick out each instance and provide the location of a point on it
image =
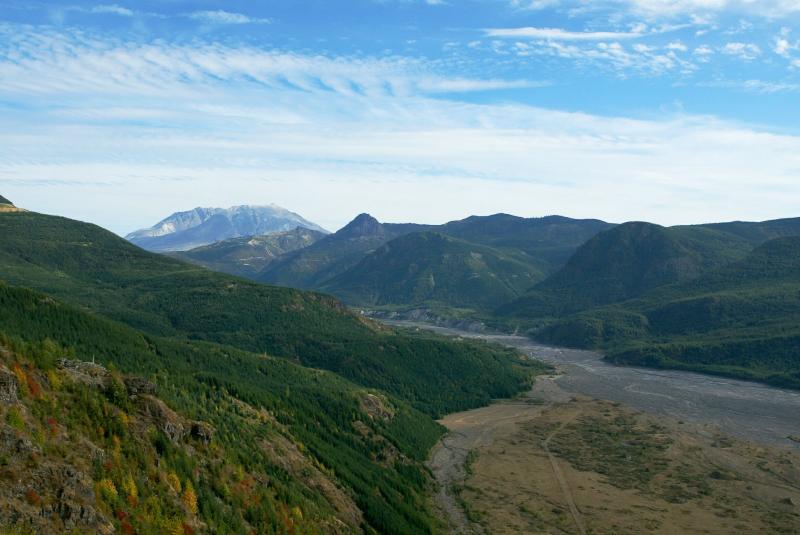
(634, 258)
(549, 241)
(625, 262)
(312, 266)
(278, 448)
(430, 269)
(742, 319)
(90, 267)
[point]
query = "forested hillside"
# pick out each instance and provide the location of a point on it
(625, 262)
(278, 448)
(248, 256)
(484, 261)
(434, 270)
(742, 319)
(90, 267)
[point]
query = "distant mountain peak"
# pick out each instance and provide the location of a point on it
(203, 226)
(362, 225)
(3, 200)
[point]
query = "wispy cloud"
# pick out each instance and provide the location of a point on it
(745, 51)
(682, 8)
(226, 17)
(624, 60)
(755, 86)
(329, 136)
(667, 9)
(113, 9)
(557, 34)
(534, 5)
(49, 62)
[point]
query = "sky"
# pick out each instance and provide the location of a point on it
(680, 111)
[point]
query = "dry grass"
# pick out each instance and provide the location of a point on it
(627, 473)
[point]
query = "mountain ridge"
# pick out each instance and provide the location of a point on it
(545, 241)
(249, 255)
(310, 267)
(432, 268)
(359, 397)
(626, 261)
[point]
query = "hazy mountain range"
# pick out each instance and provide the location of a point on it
(203, 226)
(216, 404)
(680, 296)
(207, 383)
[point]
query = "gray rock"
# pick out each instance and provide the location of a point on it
(8, 386)
(137, 386)
(164, 418)
(85, 372)
(202, 431)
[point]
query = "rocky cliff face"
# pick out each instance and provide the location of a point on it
(85, 449)
(57, 475)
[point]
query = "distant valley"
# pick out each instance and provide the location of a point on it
(713, 297)
(247, 370)
(307, 418)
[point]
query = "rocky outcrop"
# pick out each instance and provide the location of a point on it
(164, 418)
(376, 407)
(49, 496)
(8, 386)
(45, 494)
(202, 432)
(87, 373)
(54, 475)
(15, 445)
(136, 386)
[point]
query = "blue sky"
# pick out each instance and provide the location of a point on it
(670, 111)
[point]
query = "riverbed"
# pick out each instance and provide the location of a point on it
(695, 411)
(747, 410)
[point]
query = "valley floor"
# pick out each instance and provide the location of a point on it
(744, 409)
(553, 462)
(671, 452)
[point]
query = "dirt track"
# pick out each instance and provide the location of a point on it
(709, 405)
(474, 429)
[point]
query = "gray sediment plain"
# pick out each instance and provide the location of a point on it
(744, 409)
